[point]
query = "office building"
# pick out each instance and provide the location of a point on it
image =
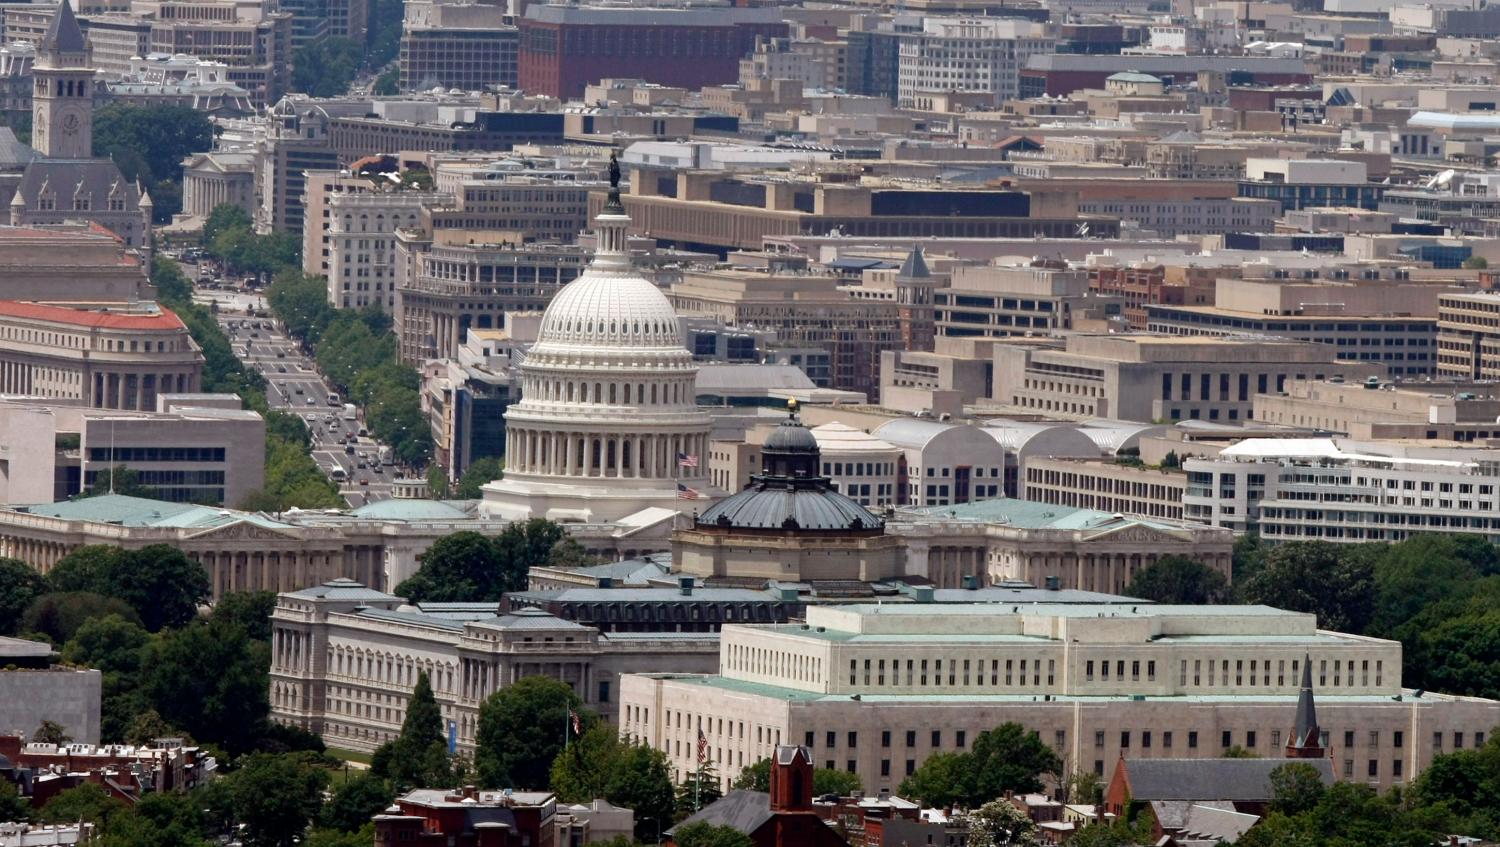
(359, 250)
(1459, 410)
(1364, 314)
(1344, 491)
(345, 658)
(1106, 485)
(852, 330)
(685, 44)
(1148, 377)
(1468, 341)
(1094, 683)
(466, 397)
(979, 59)
(999, 301)
(467, 46)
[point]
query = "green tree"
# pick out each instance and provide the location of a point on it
(360, 798)
(468, 567)
(581, 772)
(325, 68)
(834, 781)
(1295, 788)
(210, 679)
(521, 732)
(642, 781)
(58, 615)
(20, 586)
(479, 472)
(1178, 579)
(115, 647)
(943, 779)
(13, 807)
(1333, 581)
(250, 610)
(388, 83)
(85, 569)
(998, 823)
(275, 797)
(148, 143)
(1476, 263)
(224, 217)
(1238, 752)
(755, 776)
(51, 732)
(703, 834)
(163, 585)
(1248, 557)
(87, 802)
(437, 482)
(698, 790)
(120, 479)
(1009, 758)
(1084, 787)
(362, 837)
(419, 755)
(148, 726)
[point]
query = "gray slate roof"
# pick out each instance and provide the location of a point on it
(771, 508)
(63, 34)
(96, 179)
(13, 154)
(1235, 780)
(741, 810)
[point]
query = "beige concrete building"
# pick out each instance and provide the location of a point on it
(1040, 544)
(1468, 337)
(1366, 314)
(1000, 301)
(345, 658)
(97, 266)
(468, 46)
(115, 358)
(875, 690)
(717, 212)
(348, 235)
(1445, 411)
(1105, 485)
(977, 56)
(1150, 377)
(854, 331)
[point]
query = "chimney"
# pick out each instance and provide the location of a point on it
(685, 586)
(471, 792)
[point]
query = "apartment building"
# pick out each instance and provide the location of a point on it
(468, 46)
(875, 690)
(816, 63)
(531, 199)
(1377, 315)
(853, 330)
(344, 659)
(1345, 491)
(980, 57)
(1149, 377)
(998, 301)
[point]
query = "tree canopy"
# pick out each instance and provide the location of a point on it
(1333, 582)
(20, 586)
(1007, 758)
(148, 143)
(159, 582)
(1178, 579)
(703, 834)
(470, 567)
(521, 729)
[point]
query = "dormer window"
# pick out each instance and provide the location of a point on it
(81, 204)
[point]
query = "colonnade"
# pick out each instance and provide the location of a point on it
(115, 390)
(619, 456)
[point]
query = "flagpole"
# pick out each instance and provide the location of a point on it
(567, 722)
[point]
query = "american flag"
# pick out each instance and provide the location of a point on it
(702, 747)
(577, 727)
(685, 493)
(687, 460)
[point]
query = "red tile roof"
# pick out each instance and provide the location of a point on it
(165, 320)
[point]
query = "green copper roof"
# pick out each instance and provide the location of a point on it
(1029, 514)
(123, 510)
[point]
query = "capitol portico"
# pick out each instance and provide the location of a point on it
(608, 410)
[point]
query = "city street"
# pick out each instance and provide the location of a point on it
(341, 448)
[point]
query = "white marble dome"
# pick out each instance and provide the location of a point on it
(602, 309)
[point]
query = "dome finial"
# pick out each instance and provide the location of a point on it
(613, 206)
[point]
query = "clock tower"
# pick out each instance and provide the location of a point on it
(62, 101)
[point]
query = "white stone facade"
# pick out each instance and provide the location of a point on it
(970, 55)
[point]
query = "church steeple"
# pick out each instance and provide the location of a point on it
(1307, 738)
(63, 90)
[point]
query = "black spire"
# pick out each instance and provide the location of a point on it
(63, 34)
(1307, 739)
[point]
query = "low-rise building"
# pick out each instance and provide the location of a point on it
(1461, 410)
(428, 817)
(345, 658)
(1342, 490)
(1107, 485)
(875, 690)
(34, 687)
(1151, 377)
(996, 301)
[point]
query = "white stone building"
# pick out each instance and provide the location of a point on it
(861, 466)
(345, 659)
(608, 412)
(875, 690)
(1342, 490)
(359, 244)
(979, 57)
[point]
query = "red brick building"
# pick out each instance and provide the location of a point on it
(564, 48)
(784, 817)
(469, 818)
